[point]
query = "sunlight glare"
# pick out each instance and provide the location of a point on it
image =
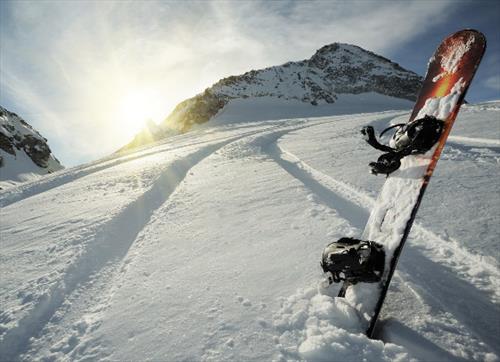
(138, 106)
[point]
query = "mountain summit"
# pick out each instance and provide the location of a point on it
(334, 70)
(24, 152)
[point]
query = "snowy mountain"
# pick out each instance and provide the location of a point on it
(206, 246)
(332, 72)
(24, 152)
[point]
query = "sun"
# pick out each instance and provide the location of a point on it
(135, 107)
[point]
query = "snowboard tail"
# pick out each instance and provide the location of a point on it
(449, 74)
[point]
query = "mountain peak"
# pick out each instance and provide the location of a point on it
(338, 53)
(334, 69)
(333, 47)
(342, 50)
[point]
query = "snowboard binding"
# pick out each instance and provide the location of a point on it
(353, 261)
(415, 137)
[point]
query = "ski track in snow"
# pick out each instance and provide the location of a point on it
(29, 189)
(349, 203)
(474, 141)
(101, 252)
(338, 194)
(89, 279)
(127, 225)
(441, 251)
(350, 211)
(458, 151)
(431, 256)
(440, 268)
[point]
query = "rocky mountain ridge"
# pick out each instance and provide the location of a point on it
(23, 150)
(334, 69)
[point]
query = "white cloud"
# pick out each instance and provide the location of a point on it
(493, 82)
(73, 63)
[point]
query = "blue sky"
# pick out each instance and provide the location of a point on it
(87, 74)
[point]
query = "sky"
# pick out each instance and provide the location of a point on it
(88, 74)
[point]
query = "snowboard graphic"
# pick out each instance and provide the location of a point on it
(366, 266)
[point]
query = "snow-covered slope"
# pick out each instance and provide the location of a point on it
(207, 246)
(24, 153)
(334, 71)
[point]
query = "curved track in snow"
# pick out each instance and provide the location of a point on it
(124, 226)
(444, 268)
(102, 254)
(354, 204)
(207, 230)
(88, 281)
(60, 178)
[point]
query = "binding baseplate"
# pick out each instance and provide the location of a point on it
(417, 136)
(353, 260)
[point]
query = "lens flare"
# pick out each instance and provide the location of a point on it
(135, 107)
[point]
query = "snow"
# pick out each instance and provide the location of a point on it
(441, 107)
(450, 62)
(206, 247)
(266, 108)
(451, 59)
(327, 71)
(18, 168)
(325, 329)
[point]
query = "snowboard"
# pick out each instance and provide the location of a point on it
(449, 74)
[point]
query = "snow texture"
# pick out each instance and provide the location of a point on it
(450, 61)
(440, 107)
(206, 246)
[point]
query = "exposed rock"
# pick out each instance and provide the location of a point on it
(23, 150)
(37, 149)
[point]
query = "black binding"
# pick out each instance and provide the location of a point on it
(353, 261)
(415, 137)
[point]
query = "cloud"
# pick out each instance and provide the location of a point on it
(493, 82)
(69, 65)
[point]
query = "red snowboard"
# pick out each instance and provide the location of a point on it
(449, 75)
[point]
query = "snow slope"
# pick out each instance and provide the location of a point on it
(206, 246)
